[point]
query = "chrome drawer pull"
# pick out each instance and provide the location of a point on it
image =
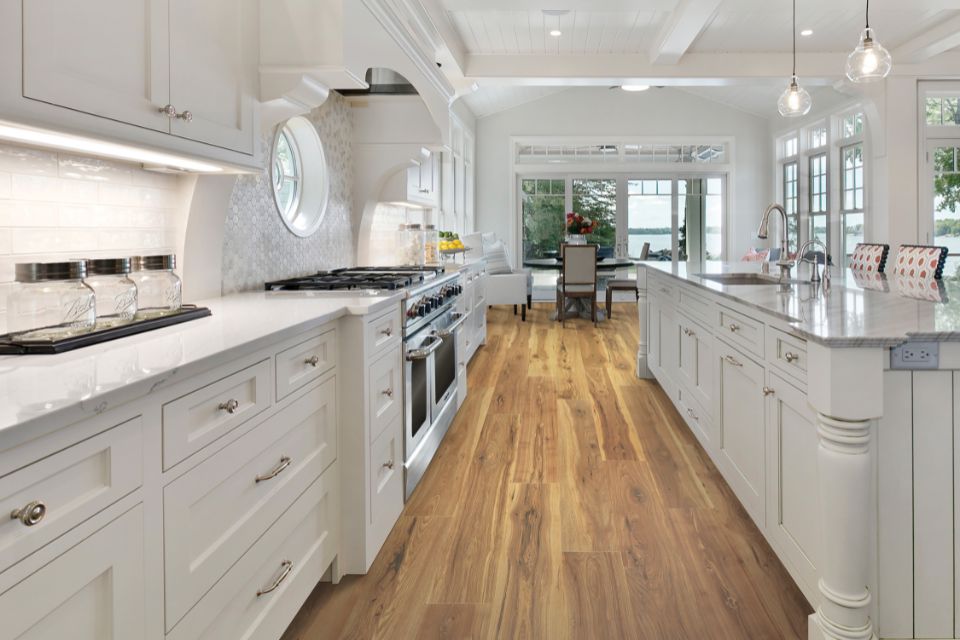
(791, 357)
(388, 464)
(31, 513)
(287, 568)
(733, 361)
(734, 327)
(692, 414)
(313, 361)
(387, 332)
(284, 463)
(767, 391)
(689, 333)
(230, 406)
(387, 392)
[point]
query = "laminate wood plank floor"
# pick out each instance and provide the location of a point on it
(568, 500)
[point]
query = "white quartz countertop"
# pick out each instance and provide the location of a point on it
(89, 380)
(870, 311)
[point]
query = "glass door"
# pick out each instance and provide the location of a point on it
(596, 200)
(543, 203)
(651, 225)
(941, 224)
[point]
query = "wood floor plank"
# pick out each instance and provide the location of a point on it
(568, 500)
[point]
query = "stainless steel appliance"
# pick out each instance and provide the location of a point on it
(430, 327)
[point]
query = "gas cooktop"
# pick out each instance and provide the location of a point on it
(382, 278)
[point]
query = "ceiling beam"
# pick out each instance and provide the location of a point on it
(682, 28)
(938, 39)
(451, 41)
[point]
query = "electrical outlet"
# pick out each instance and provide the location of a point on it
(915, 355)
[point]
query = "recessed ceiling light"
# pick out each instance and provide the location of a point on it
(806, 33)
(634, 87)
(556, 33)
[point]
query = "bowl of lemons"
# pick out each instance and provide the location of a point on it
(450, 242)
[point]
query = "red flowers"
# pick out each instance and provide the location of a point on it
(577, 224)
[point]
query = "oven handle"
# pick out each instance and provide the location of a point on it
(456, 324)
(424, 352)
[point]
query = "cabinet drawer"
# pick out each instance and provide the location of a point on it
(385, 387)
(198, 418)
(92, 591)
(386, 485)
(305, 362)
(695, 305)
(696, 417)
(744, 331)
(382, 330)
(787, 353)
(305, 539)
(213, 513)
(72, 485)
(660, 286)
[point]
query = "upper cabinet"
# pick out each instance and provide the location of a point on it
(164, 73)
(423, 179)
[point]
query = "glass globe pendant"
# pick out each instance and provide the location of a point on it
(869, 61)
(795, 101)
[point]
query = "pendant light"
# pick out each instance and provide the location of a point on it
(795, 101)
(869, 61)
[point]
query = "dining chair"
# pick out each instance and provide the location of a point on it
(579, 280)
(920, 261)
(868, 257)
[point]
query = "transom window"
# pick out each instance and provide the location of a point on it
(942, 111)
(790, 202)
(817, 137)
(607, 152)
(791, 146)
(851, 125)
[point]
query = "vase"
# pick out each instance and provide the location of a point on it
(576, 238)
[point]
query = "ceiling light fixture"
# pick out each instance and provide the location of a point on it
(806, 33)
(555, 13)
(795, 101)
(65, 142)
(869, 61)
(556, 33)
(633, 88)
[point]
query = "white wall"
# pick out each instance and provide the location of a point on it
(602, 112)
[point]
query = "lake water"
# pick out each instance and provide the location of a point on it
(661, 241)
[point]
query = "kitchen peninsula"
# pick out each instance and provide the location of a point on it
(844, 463)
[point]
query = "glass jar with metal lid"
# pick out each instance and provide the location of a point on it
(116, 293)
(50, 301)
(431, 245)
(158, 287)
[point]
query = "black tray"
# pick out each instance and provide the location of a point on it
(11, 346)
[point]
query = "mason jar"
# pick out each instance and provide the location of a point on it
(50, 301)
(116, 293)
(431, 245)
(158, 287)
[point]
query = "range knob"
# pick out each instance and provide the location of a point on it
(422, 309)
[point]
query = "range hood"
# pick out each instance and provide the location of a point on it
(383, 82)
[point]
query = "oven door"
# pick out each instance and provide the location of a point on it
(445, 361)
(419, 352)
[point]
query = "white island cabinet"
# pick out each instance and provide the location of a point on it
(199, 497)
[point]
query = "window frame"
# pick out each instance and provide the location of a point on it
(308, 209)
(284, 133)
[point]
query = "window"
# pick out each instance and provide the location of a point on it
(790, 147)
(817, 207)
(610, 152)
(851, 125)
(301, 185)
(851, 193)
(790, 202)
(596, 198)
(942, 111)
(543, 216)
(817, 137)
(649, 218)
(946, 201)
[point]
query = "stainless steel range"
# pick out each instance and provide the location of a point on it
(430, 327)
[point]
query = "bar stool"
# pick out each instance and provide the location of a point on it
(619, 285)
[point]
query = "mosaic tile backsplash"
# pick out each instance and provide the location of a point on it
(57, 206)
(257, 247)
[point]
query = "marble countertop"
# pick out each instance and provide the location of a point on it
(85, 381)
(858, 311)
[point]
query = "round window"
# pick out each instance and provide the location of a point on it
(301, 185)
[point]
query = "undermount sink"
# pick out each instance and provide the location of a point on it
(741, 278)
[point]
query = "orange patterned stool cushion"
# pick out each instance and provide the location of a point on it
(869, 257)
(920, 261)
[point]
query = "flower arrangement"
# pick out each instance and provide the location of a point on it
(578, 225)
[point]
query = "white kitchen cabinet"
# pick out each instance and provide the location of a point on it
(793, 510)
(92, 591)
(423, 180)
(123, 61)
(212, 71)
(695, 360)
(742, 438)
(109, 58)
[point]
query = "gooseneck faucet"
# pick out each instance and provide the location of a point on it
(784, 261)
(815, 273)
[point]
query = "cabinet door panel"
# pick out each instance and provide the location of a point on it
(211, 71)
(741, 428)
(104, 57)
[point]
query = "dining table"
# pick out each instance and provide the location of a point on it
(605, 269)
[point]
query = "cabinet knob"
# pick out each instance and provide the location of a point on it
(230, 406)
(767, 391)
(313, 360)
(387, 392)
(791, 357)
(734, 327)
(186, 116)
(387, 332)
(31, 513)
(693, 415)
(168, 110)
(389, 464)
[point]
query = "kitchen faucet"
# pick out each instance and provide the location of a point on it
(815, 275)
(784, 261)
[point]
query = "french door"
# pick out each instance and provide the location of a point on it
(940, 198)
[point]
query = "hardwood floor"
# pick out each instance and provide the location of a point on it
(569, 500)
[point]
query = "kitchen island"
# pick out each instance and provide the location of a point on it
(846, 464)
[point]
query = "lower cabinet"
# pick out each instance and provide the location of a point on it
(92, 591)
(695, 360)
(741, 449)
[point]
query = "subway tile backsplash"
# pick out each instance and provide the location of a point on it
(56, 206)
